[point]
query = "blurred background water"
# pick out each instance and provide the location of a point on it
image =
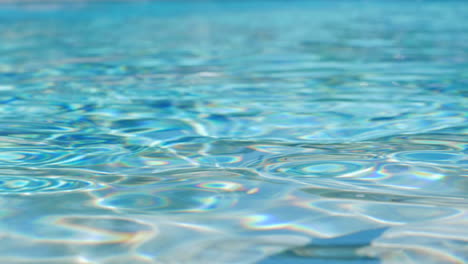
(233, 132)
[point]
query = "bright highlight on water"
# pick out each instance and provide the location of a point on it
(209, 132)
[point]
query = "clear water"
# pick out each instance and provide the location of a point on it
(234, 132)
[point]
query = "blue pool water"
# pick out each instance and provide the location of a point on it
(222, 132)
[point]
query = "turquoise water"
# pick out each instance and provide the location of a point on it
(234, 132)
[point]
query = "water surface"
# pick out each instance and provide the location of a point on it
(234, 132)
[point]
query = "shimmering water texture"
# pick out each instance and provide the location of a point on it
(232, 132)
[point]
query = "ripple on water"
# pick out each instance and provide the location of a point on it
(134, 201)
(186, 190)
(98, 230)
(18, 184)
(85, 140)
(18, 126)
(25, 157)
(434, 157)
(230, 153)
(303, 166)
(181, 199)
(160, 129)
